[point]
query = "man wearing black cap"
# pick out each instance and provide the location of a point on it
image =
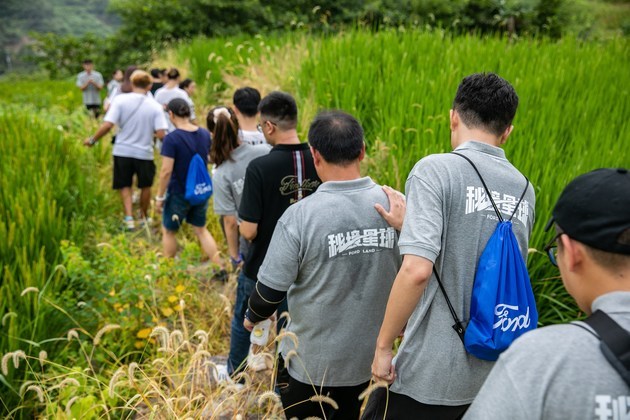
(560, 372)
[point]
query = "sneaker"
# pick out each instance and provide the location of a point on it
(129, 223)
(145, 222)
(221, 375)
(220, 276)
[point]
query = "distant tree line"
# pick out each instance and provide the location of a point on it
(148, 25)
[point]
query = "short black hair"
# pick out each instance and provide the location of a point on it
(88, 61)
(173, 74)
(246, 100)
(337, 136)
(179, 107)
(185, 83)
(156, 73)
(280, 108)
(486, 101)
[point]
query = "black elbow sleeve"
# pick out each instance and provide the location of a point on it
(263, 302)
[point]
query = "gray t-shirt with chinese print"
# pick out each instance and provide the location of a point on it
(449, 221)
(337, 258)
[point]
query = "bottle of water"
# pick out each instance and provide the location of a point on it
(260, 333)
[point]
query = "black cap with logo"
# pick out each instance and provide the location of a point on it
(595, 209)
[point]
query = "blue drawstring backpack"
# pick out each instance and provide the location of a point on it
(502, 306)
(198, 183)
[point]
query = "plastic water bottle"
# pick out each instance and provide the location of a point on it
(260, 333)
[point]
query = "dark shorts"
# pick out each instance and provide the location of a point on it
(177, 209)
(94, 109)
(125, 168)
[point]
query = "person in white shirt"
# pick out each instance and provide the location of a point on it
(139, 118)
(170, 91)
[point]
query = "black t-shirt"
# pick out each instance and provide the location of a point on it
(272, 183)
(155, 87)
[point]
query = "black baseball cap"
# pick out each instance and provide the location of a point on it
(595, 209)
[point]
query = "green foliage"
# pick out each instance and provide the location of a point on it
(62, 55)
(401, 84)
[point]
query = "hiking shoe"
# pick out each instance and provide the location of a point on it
(221, 376)
(221, 276)
(145, 222)
(129, 223)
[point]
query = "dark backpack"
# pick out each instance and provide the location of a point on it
(614, 342)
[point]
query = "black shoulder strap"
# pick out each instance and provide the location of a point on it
(496, 209)
(459, 325)
(614, 342)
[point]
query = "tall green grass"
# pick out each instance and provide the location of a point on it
(47, 194)
(572, 117)
(574, 104)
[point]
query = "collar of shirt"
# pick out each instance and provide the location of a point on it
(482, 147)
(352, 185)
(613, 302)
(301, 146)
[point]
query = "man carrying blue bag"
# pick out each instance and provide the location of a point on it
(449, 221)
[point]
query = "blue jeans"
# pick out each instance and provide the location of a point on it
(239, 336)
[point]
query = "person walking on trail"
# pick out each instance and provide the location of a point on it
(246, 102)
(113, 88)
(189, 86)
(560, 371)
(272, 183)
(91, 82)
(231, 157)
(335, 258)
(170, 91)
(178, 150)
(138, 117)
(156, 75)
(447, 224)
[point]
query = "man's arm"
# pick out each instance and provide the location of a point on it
(102, 130)
(249, 230)
(262, 304)
(165, 176)
(160, 134)
(406, 292)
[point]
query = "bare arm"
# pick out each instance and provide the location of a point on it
(249, 230)
(403, 299)
(231, 235)
(160, 134)
(165, 175)
(102, 130)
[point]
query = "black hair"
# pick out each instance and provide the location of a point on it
(179, 107)
(172, 74)
(126, 87)
(185, 83)
(246, 100)
(280, 108)
(87, 61)
(156, 73)
(337, 136)
(486, 101)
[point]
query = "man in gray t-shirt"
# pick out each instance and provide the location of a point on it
(448, 222)
(91, 82)
(335, 258)
(560, 372)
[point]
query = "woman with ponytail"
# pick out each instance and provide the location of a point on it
(177, 152)
(231, 158)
